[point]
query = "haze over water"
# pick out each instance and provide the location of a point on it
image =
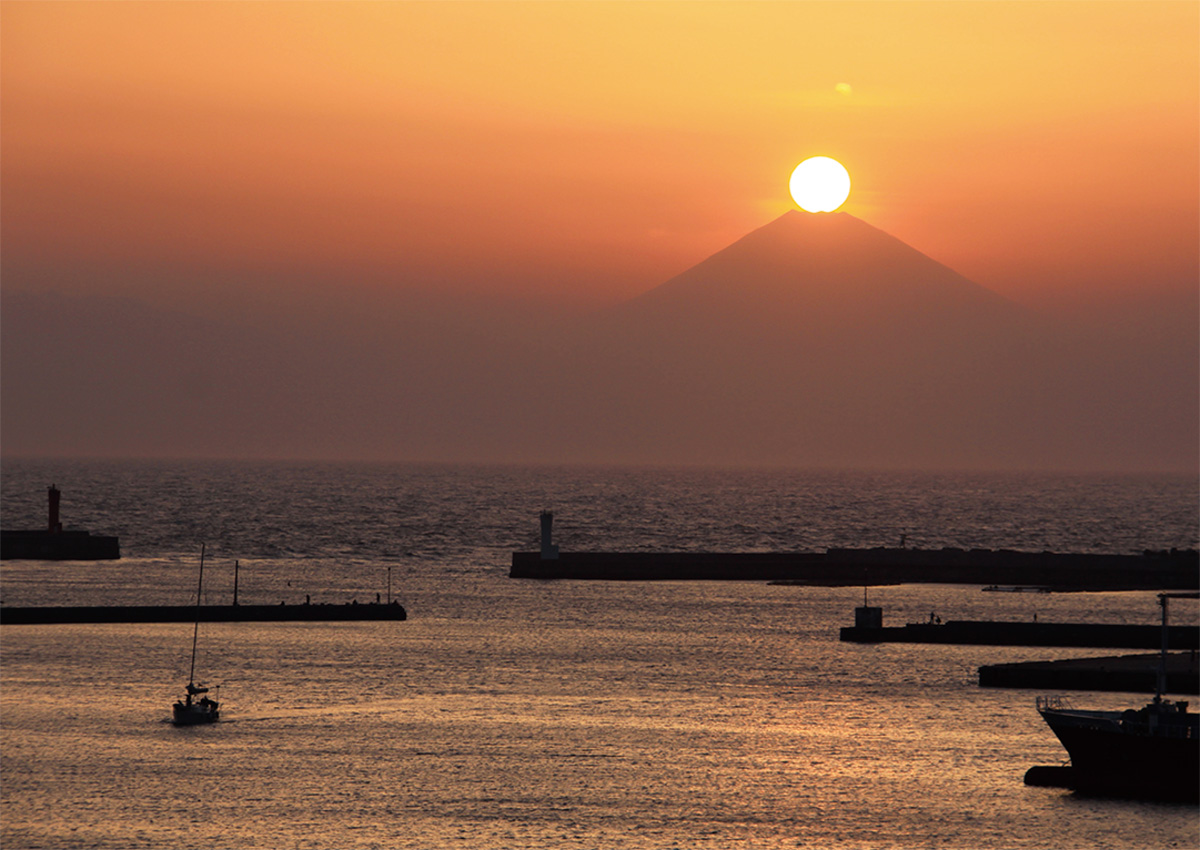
(548, 714)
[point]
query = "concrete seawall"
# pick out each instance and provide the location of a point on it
(54, 543)
(205, 614)
(837, 567)
(989, 633)
(1130, 673)
(58, 546)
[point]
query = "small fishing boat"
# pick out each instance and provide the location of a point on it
(196, 707)
(1152, 752)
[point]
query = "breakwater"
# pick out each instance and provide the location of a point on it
(53, 543)
(1130, 673)
(30, 615)
(993, 633)
(1173, 570)
(58, 546)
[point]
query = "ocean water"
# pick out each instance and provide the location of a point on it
(510, 713)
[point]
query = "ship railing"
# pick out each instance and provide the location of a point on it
(1053, 702)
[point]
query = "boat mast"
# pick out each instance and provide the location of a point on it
(196, 630)
(1160, 686)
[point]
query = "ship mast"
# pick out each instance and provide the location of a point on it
(1160, 685)
(196, 630)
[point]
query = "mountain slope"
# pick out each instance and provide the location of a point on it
(820, 340)
(817, 268)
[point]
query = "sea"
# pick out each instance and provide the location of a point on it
(507, 713)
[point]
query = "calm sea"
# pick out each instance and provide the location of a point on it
(510, 713)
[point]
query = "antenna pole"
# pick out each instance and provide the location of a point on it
(1161, 683)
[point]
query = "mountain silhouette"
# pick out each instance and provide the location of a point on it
(814, 340)
(818, 339)
(821, 267)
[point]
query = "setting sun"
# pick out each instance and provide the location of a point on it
(820, 184)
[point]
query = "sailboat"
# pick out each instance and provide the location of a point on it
(1153, 751)
(196, 707)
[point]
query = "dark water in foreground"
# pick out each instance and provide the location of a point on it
(547, 714)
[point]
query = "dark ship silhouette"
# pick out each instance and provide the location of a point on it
(1150, 752)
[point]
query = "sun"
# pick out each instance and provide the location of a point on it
(820, 184)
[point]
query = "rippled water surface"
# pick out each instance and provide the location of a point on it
(547, 714)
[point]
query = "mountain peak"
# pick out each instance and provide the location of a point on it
(814, 237)
(818, 264)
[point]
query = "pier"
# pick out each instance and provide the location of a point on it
(1151, 570)
(54, 543)
(1001, 633)
(29, 615)
(881, 566)
(1129, 673)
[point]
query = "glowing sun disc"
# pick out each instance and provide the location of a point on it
(820, 184)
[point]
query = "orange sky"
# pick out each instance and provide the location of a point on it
(1046, 150)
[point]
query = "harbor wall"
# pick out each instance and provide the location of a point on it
(13, 616)
(1175, 570)
(1000, 633)
(53, 543)
(58, 546)
(1129, 673)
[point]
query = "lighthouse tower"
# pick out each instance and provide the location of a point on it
(549, 550)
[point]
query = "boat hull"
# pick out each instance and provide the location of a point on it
(195, 714)
(1113, 752)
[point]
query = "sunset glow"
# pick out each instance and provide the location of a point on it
(382, 209)
(322, 137)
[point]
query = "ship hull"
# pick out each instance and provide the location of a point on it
(195, 714)
(1111, 754)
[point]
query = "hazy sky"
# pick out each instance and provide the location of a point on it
(590, 150)
(349, 230)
